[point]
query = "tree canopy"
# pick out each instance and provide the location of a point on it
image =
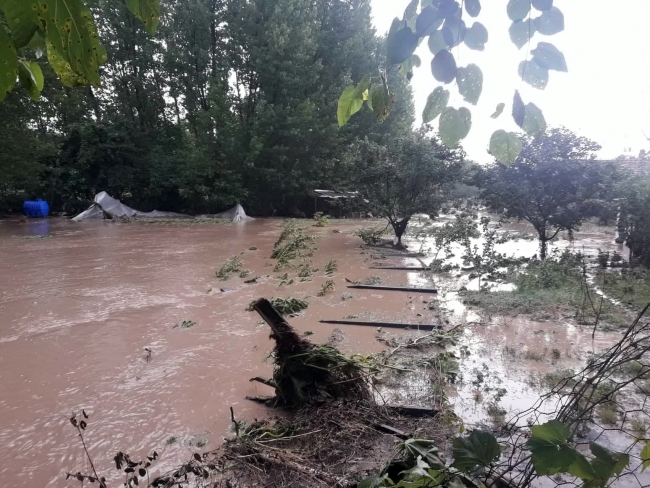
(550, 183)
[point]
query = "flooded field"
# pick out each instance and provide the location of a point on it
(81, 305)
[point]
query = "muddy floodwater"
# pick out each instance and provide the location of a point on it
(81, 303)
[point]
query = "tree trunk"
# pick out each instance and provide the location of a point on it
(400, 228)
(543, 245)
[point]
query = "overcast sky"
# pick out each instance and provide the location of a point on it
(604, 96)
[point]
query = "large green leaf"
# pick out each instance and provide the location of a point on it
(380, 101)
(521, 32)
(478, 449)
(597, 472)
(400, 46)
(473, 7)
(428, 21)
(73, 47)
(31, 78)
(505, 147)
(443, 66)
(550, 453)
(148, 11)
(534, 122)
(476, 37)
(550, 22)
(436, 102)
(645, 456)
(470, 83)
(348, 105)
(351, 100)
(437, 42)
(22, 19)
(454, 125)
(424, 449)
(518, 9)
(549, 57)
(375, 482)
(411, 10)
(8, 63)
(607, 463)
(533, 74)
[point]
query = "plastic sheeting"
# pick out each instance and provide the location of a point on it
(236, 214)
(106, 206)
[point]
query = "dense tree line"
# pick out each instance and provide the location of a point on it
(230, 100)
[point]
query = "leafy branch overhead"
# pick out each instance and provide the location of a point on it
(443, 22)
(63, 29)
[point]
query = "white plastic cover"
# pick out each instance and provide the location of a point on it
(236, 214)
(105, 205)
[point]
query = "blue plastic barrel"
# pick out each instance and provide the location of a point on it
(36, 208)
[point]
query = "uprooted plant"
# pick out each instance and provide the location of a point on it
(371, 236)
(325, 287)
(231, 266)
(304, 372)
(292, 244)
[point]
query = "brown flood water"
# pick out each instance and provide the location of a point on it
(78, 308)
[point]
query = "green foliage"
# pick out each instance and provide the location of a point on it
(418, 168)
(232, 265)
(470, 83)
(371, 236)
(521, 32)
(498, 111)
(478, 449)
(8, 62)
(454, 125)
(68, 31)
(292, 244)
(505, 147)
(436, 103)
(331, 267)
(548, 56)
(325, 287)
(645, 456)
(286, 306)
(550, 452)
(549, 184)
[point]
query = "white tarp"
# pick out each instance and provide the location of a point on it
(236, 214)
(106, 206)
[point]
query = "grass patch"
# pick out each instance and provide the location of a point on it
(608, 413)
(292, 244)
(543, 286)
(630, 286)
(331, 267)
(496, 413)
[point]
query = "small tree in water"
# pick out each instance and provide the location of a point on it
(404, 176)
(550, 185)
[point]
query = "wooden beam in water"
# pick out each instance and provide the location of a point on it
(388, 325)
(394, 288)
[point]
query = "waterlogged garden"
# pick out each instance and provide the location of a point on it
(313, 292)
